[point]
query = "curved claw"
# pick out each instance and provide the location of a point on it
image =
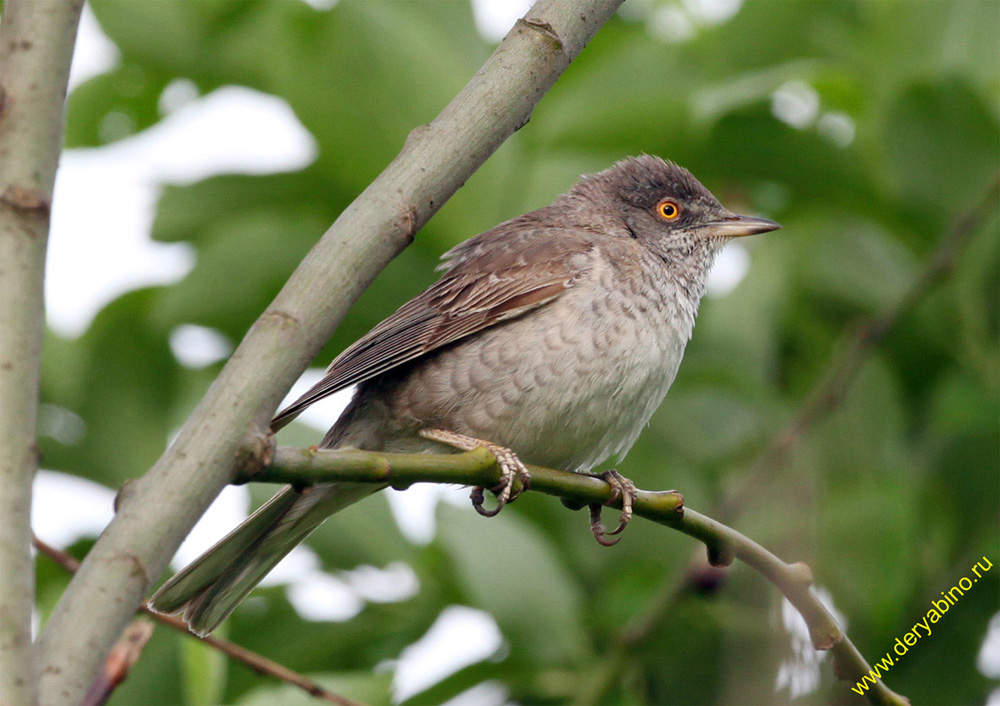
(597, 527)
(511, 468)
(478, 497)
(621, 487)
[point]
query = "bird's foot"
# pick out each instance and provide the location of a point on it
(511, 468)
(621, 487)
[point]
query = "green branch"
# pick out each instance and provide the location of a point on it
(307, 466)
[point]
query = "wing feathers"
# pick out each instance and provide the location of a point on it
(470, 298)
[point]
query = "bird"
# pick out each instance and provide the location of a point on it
(549, 339)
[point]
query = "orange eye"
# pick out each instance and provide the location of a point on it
(668, 210)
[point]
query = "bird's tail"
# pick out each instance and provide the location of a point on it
(211, 587)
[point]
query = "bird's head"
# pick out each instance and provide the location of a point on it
(663, 205)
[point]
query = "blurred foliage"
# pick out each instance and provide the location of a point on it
(891, 498)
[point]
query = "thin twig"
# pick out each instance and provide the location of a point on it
(478, 468)
(36, 45)
(219, 435)
(255, 661)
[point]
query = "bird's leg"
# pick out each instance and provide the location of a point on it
(621, 487)
(510, 465)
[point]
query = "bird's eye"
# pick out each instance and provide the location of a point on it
(668, 210)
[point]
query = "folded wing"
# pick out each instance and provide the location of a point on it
(485, 285)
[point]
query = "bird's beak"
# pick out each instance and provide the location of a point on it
(734, 226)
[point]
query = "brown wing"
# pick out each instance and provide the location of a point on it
(484, 286)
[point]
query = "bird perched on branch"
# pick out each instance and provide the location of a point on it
(550, 339)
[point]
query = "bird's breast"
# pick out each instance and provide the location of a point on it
(567, 385)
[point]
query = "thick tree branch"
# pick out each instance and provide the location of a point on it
(253, 660)
(36, 46)
(304, 466)
(220, 434)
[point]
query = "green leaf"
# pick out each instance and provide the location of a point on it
(943, 147)
(114, 105)
(859, 264)
(242, 249)
(204, 669)
(363, 533)
(509, 569)
(127, 378)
